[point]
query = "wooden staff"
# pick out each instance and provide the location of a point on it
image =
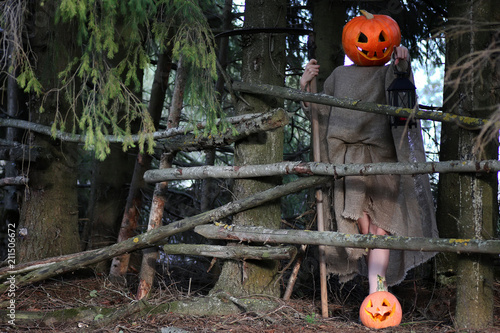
(319, 206)
(319, 201)
(311, 46)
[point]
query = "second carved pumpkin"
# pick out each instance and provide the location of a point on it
(380, 309)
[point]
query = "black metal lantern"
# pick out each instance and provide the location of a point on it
(402, 94)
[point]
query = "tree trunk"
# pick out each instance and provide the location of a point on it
(48, 223)
(328, 19)
(263, 61)
(150, 256)
(472, 211)
(9, 213)
(130, 219)
(110, 180)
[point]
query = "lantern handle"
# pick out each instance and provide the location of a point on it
(400, 73)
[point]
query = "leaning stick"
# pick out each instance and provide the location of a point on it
(295, 273)
(319, 207)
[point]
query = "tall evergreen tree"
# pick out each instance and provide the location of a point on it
(49, 213)
(82, 67)
(263, 62)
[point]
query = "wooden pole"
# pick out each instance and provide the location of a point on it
(320, 169)
(319, 206)
(351, 104)
(240, 252)
(331, 238)
(295, 272)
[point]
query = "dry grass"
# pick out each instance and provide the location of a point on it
(427, 307)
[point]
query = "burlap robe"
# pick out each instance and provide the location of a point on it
(401, 205)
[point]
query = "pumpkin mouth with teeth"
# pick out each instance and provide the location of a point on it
(380, 312)
(368, 40)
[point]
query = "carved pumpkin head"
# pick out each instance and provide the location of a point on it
(380, 309)
(368, 40)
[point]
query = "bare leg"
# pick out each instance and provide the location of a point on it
(378, 259)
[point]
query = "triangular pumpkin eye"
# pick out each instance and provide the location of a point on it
(381, 37)
(362, 38)
(385, 303)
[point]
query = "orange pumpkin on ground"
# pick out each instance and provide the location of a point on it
(368, 40)
(380, 309)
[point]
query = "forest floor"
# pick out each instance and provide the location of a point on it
(427, 307)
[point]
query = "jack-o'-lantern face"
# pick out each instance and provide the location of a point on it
(380, 310)
(368, 40)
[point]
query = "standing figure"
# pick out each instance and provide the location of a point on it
(399, 205)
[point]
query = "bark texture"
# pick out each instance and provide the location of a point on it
(110, 180)
(472, 210)
(331, 238)
(233, 252)
(326, 15)
(263, 61)
(48, 224)
(353, 104)
(323, 169)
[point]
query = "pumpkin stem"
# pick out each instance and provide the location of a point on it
(366, 14)
(381, 283)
